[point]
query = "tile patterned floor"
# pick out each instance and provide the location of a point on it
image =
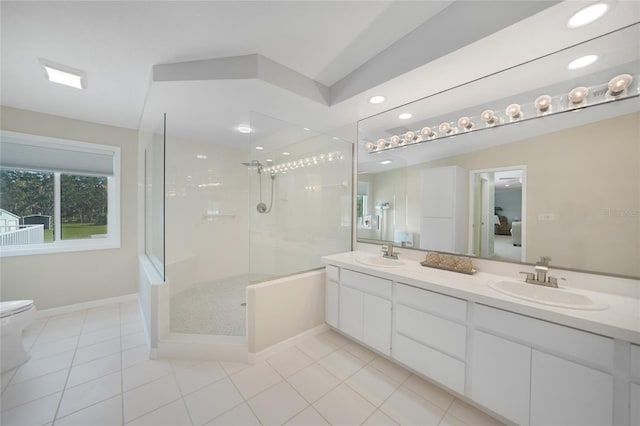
(91, 368)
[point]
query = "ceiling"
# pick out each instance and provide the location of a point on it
(354, 49)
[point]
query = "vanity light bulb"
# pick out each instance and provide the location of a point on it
(381, 143)
(395, 140)
(514, 111)
(465, 123)
(409, 136)
(578, 96)
(543, 104)
(444, 127)
(618, 85)
(369, 146)
(426, 132)
(489, 117)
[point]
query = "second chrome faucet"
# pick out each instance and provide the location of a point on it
(540, 277)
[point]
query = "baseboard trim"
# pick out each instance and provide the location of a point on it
(266, 353)
(67, 309)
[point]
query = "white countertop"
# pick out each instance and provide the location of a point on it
(620, 321)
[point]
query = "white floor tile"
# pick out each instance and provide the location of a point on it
(134, 356)
(94, 369)
(34, 413)
(241, 415)
(198, 376)
(471, 415)
(341, 364)
(391, 369)
(277, 404)
(99, 350)
(429, 391)
(308, 417)
(132, 340)
(173, 414)
(145, 372)
(149, 397)
(379, 419)
(39, 367)
(132, 326)
(5, 378)
(47, 349)
(105, 413)
(86, 394)
(33, 389)
(360, 352)
(179, 364)
(316, 347)
(336, 338)
(407, 407)
(91, 338)
(451, 420)
(343, 406)
(313, 382)
(373, 385)
(234, 367)
(289, 361)
(209, 402)
(255, 379)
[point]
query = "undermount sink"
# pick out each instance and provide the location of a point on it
(548, 295)
(379, 261)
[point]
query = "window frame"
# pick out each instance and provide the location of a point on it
(112, 239)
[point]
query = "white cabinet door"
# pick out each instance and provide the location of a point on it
(332, 292)
(566, 393)
(500, 376)
(635, 404)
(377, 323)
(351, 311)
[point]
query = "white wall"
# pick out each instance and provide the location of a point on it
(53, 280)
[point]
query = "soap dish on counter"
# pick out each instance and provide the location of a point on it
(449, 262)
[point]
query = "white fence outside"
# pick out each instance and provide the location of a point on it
(26, 234)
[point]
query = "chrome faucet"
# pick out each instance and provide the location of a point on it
(387, 251)
(540, 277)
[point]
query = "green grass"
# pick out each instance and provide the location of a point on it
(75, 231)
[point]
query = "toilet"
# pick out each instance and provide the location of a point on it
(15, 316)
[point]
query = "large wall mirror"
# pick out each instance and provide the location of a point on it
(537, 160)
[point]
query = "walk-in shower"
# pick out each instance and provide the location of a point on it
(262, 207)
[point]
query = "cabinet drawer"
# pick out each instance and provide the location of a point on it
(367, 283)
(433, 331)
(439, 304)
(433, 364)
(333, 272)
(575, 343)
(635, 361)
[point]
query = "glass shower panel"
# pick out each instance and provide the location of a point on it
(300, 197)
(154, 159)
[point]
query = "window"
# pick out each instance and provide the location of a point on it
(57, 195)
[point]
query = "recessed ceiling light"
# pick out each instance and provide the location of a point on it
(376, 99)
(335, 138)
(385, 162)
(285, 153)
(201, 157)
(405, 116)
(506, 185)
(259, 147)
(243, 128)
(587, 15)
(582, 62)
(62, 74)
(306, 128)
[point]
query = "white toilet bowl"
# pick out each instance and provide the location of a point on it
(15, 316)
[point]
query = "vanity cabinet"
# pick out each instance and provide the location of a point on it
(430, 335)
(365, 309)
(332, 293)
(634, 386)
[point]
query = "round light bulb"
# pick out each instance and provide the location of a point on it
(465, 123)
(488, 116)
(409, 136)
(381, 143)
(514, 111)
(369, 146)
(426, 132)
(618, 84)
(543, 103)
(395, 140)
(578, 95)
(444, 127)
